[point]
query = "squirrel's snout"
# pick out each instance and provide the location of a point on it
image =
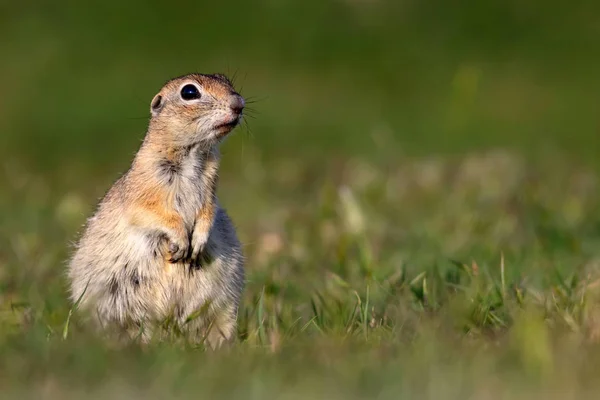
(236, 103)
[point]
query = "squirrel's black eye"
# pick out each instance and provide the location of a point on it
(190, 92)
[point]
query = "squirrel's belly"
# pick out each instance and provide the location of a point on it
(142, 283)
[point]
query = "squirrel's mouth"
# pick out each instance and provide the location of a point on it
(228, 126)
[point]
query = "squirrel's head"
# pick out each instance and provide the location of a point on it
(197, 108)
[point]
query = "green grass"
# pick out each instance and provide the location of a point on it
(418, 196)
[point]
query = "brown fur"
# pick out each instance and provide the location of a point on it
(143, 255)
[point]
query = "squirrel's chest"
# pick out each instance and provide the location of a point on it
(188, 190)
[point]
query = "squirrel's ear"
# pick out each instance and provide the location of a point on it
(156, 105)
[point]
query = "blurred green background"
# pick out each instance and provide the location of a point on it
(389, 143)
(434, 76)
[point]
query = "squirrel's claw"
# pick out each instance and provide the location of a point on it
(176, 252)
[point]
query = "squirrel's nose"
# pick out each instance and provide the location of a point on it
(236, 103)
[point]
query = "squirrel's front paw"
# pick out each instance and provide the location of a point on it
(176, 251)
(199, 242)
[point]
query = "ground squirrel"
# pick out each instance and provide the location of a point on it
(159, 246)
